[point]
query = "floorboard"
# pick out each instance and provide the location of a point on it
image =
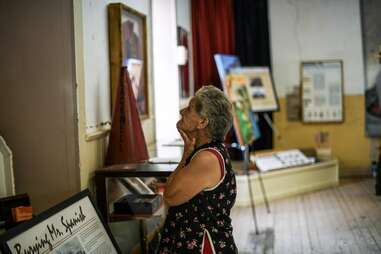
(344, 219)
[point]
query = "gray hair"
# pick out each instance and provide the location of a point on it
(212, 104)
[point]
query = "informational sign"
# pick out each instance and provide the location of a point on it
(322, 91)
(73, 226)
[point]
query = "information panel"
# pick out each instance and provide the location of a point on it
(322, 91)
(73, 226)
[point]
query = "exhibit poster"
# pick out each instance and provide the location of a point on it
(261, 89)
(73, 226)
(322, 91)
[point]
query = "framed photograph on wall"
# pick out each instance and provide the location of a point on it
(128, 47)
(262, 94)
(322, 91)
(73, 226)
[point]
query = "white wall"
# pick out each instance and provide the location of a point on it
(165, 69)
(92, 77)
(183, 14)
(163, 80)
(304, 30)
(96, 67)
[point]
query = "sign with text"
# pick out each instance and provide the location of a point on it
(322, 91)
(73, 226)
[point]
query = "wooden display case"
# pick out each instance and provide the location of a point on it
(105, 195)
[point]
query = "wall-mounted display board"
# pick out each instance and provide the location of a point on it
(73, 226)
(322, 91)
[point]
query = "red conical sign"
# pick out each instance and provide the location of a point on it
(126, 143)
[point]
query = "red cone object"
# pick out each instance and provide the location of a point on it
(126, 143)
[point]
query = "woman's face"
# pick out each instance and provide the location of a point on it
(190, 119)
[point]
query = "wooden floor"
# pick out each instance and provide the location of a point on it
(344, 219)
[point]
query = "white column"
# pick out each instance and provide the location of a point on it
(165, 69)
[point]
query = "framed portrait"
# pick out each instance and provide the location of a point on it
(128, 47)
(73, 226)
(262, 94)
(322, 91)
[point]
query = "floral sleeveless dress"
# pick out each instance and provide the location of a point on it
(205, 219)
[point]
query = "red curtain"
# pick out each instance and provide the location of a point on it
(213, 32)
(126, 142)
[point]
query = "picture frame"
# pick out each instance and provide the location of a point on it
(224, 64)
(73, 226)
(128, 47)
(260, 85)
(237, 92)
(322, 85)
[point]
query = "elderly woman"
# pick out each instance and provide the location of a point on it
(202, 189)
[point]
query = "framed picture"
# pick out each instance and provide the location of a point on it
(262, 94)
(322, 91)
(224, 64)
(128, 47)
(73, 226)
(242, 115)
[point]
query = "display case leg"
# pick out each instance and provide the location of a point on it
(143, 237)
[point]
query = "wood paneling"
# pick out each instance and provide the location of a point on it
(38, 112)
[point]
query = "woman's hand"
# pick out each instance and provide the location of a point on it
(189, 144)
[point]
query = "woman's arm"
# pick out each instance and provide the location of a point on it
(186, 182)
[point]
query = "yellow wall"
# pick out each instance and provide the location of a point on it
(348, 139)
